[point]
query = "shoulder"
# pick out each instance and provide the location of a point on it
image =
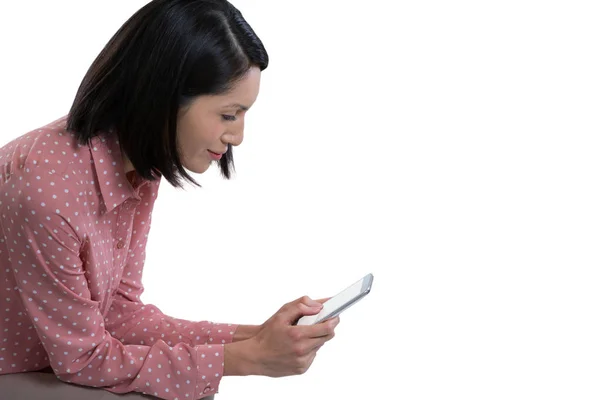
(49, 147)
(36, 176)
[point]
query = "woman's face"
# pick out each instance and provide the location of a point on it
(210, 123)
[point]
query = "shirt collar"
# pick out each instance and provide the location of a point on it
(110, 171)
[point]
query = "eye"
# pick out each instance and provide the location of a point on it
(228, 117)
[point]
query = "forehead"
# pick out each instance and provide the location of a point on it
(245, 90)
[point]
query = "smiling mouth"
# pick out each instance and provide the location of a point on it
(215, 156)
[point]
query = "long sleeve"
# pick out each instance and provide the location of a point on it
(133, 322)
(54, 287)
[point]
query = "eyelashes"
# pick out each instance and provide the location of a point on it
(228, 117)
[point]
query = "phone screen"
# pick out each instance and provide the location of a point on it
(341, 301)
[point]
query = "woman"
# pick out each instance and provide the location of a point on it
(170, 90)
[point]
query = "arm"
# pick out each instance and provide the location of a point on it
(245, 332)
(133, 322)
(280, 348)
(51, 282)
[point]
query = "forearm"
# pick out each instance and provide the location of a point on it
(137, 323)
(240, 359)
(240, 356)
(244, 332)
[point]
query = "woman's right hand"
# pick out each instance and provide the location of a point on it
(281, 348)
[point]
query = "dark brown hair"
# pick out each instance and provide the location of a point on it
(166, 54)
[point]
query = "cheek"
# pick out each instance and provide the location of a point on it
(200, 135)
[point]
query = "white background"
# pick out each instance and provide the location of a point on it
(451, 148)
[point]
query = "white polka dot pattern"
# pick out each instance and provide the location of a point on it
(72, 248)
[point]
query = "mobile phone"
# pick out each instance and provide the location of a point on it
(340, 302)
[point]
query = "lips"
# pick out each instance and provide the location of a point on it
(215, 156)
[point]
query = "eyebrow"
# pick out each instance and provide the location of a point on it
(240, 106)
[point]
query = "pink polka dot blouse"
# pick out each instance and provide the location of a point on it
(73, 231)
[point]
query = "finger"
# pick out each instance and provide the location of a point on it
(323, 300)
(308, 360)
(335, 320)
(299, 309)
(316, 344)
(321, 329)
(308, 301)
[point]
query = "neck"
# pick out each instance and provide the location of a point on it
(127, 165)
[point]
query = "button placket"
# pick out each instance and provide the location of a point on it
(123, 234)
(124, 224)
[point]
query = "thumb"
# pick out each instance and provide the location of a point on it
(323, 300)
(301, 307)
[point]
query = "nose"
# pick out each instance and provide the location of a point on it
(235, 135)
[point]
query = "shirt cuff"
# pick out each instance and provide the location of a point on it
(221, 333)
(210, 363)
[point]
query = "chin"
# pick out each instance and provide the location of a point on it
(198, 168)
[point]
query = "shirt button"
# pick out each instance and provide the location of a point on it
(120, 245)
